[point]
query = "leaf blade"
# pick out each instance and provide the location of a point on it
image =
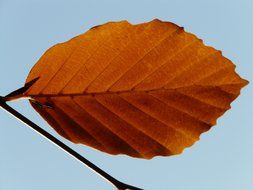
(142, 90)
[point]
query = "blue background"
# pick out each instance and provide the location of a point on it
(222, 159)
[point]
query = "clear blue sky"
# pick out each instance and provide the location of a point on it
(222, 159)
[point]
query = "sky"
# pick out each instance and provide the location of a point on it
(222, 159)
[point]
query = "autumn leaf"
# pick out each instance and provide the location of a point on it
(143, 90)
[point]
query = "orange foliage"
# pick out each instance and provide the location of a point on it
(142, 90)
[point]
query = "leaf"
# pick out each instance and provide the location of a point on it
(143, 90)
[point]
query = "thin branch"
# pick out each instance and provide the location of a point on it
(119, 185)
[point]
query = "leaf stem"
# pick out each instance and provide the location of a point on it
(119, 185)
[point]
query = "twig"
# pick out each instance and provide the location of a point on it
(119, 185)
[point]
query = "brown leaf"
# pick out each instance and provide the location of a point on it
(142, 90)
